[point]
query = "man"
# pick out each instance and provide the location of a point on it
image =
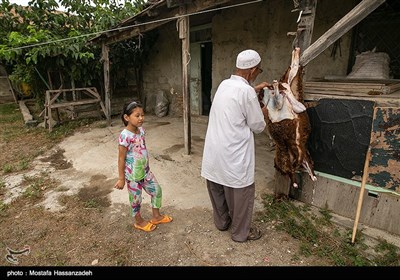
(229, 155)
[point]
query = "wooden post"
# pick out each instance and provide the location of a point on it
(362, 190)
(12, 90)
(48, 117)
(281, 185)
(184, 36)
(357, 14)
(305, 25)
(49, 78)
(73, 91)
(106, 68)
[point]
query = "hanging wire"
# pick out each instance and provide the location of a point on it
(133, 25)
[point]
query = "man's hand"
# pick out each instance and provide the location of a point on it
(259, 87)
(260, 92)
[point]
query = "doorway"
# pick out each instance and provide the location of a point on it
(200, 69)
(200, 78)
(206, 81)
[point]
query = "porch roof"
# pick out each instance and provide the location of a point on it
(156, 14)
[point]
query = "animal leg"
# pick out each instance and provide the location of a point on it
(308, 167)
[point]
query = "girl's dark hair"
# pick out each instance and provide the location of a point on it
(128, 109)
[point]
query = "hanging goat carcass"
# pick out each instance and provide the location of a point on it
(288, 122)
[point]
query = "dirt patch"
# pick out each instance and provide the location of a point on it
(57, 160)
(96, 194)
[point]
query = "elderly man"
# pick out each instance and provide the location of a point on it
(229, 155)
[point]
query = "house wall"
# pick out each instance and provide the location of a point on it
(163, 69)
(328, 13)
(262, 26)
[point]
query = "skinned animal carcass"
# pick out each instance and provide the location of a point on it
(288, 122)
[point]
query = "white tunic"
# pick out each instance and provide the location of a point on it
(229, 154)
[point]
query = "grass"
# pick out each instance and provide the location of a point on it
(91, 203)
(320, 237)
(3, 207)
(37, 185)
(8, 168)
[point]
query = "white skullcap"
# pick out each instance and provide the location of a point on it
(247, 59)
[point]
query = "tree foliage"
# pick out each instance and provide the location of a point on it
(40, 38)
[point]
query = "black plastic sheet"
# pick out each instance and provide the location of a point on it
(340, 135)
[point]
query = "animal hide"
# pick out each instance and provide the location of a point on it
(288, 122)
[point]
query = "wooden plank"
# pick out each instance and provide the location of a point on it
(338, 91)
(343, 93)
(346, 89)
(344, 79)
(74, 103)
(360, 87)
(358, 13)
(69, 89)
(328, 83)
(382, 100)
(52, 100)
(368, 86)
(378, 210)
(94, 92)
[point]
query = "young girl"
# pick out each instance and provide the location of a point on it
(133, 167)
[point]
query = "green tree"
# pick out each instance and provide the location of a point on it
(38, 39)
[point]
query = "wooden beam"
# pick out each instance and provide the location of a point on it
(358, 13)
(106, 69)
(118, 36)
(184, 36)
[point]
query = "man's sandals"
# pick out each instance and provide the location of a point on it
(254, 234)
